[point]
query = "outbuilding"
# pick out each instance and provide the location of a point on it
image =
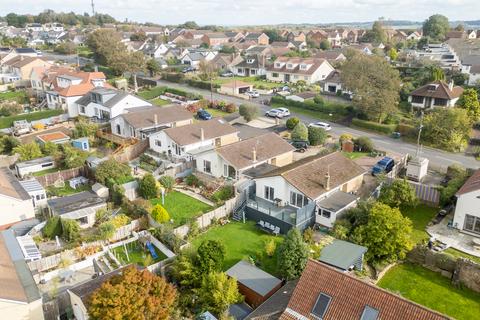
(35, 165)
(235, 88)
(343, 255)
(56, 137)
(255, 284)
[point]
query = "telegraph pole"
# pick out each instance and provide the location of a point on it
(93, 9)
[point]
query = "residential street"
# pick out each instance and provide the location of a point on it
(437, 157)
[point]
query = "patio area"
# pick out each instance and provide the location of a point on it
(286, 213)
(454, 238)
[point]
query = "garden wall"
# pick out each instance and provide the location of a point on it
(50, 178)
(131, 152)
(459, 270)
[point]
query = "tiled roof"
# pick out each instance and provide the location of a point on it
(275, 305)
(145, 117)
(314, 63)
(186, 135)
(308, 174)
(9, 185)
(472, 184)
(349, 297)
(267, 146)
(442, 91)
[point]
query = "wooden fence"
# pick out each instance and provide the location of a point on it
(50, 178)
(426, 193)
(131, 152)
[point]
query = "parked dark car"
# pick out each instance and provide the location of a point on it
(300, 145)
(203, 115)
(383, 166)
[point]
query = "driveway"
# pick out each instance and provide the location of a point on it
(438, 158)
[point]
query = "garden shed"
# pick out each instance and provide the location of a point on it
(343, 255)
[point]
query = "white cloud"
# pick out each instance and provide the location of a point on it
(230, 12)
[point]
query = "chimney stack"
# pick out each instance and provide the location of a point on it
(450, 85)
(96, 68)
(254, 155)
(202, 134)
(327, 181)
(155, 119)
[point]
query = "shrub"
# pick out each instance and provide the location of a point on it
(270, 247)
(378, 127)
(364, 144)
(345, 137)
(316, 136)
(173, 77)
(106, 230)
(230, 108)
(223, 194)
(148, 188)
(300, 132)
(52, 228)
(249, 112)
(193, 229)
(70, 230)
(292, 122)
(407, 130)
(192, 181)
(160, 214)
(112, 170)
(167, 182)
(120, 220)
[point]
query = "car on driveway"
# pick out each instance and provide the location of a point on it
(383, 166)
(188, 69)
(227, 74)
(203, 115)
(322, 125)
(300, 145)
(252, 93)
(284, 111)
(274, 113)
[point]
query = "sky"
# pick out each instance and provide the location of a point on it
(247, 12)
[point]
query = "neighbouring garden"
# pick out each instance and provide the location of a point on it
(138, 254)
(432, 290)
(7, 122)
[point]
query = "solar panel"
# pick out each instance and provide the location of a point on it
(321, 306)
(369, 313)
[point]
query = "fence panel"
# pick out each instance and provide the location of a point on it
(426, 193)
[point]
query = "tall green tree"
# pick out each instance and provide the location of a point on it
(447, 128)
(375, 85)
(148, 188)
(469, 101)
(218, 292)
(387, 234)
(292, 255)
(398, 194)
(28, 151)
(73, 157)
(300, 132)
(112, 170)
(436, 27)
(210, 256)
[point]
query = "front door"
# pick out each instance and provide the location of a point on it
(286, 77)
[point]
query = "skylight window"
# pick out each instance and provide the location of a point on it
(321, 306)
(369, 313)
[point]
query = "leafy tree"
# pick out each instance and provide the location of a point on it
(325, 44)
(273, 35)
(160, 214)
(376, 34)
(106, 230)
(207, 70)
(300, 132)
(393, 54)
(167, 182)
(50, 149)
(8, 143)
(138, 294)
(364, 144)
(292, 255)
(112, 170)
(66, 47)
(210, 256)
(148, 188)
(73, 157)
(189, 25)
(387, 234)
(138, 36)
(105, 45)
(398, 194)
(184, 270)
(70, 230)
(84, 128)
(249, 111)
(447, 128)
(52, 228)
(218, 292)
(316, 136)
(437, 74)
(375, 84)
(28, 151)
(469, 101)
(153, 67)
(436, 27)
(292, 122)
(460, 27)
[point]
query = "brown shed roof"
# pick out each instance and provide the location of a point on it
(308, 174)
(438, 89)
(349, 297)
(145, 117)
(186, 135)
(472, 184)
(267, 146)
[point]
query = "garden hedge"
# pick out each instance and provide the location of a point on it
(378, 127)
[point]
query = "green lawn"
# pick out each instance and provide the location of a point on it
(459, 254)
(241, 242)
(151, 93)
(182, 208)
(66, 190)
(20, 96)
(355, 155)
(136, 253)
(253, 80)
(310, 113)
(160, 102)
(420, 216)
(7, 122)
(432, 290)
(217, 113)
(46, 171)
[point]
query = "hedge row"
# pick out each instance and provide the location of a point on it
(158, 91)
(321, 106)
(383, 128)
(201, 84)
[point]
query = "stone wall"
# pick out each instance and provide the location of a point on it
(461, 271)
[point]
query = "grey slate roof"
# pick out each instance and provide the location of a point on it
(74, 202)
(337, 201)
(342, 254)
(33, 162)
(253, 278)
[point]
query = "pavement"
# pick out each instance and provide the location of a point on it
(438, 158)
